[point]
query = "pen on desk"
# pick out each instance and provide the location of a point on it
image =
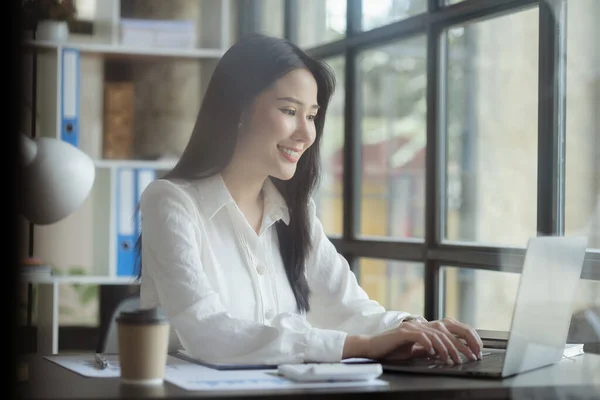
(101, 361)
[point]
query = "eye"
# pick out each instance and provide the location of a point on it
(312, 117)
(288, 111)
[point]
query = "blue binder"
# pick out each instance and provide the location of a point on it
(70, 96)
(131, 183)
(125, 223)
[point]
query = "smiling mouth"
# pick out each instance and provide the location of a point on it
(289, 152)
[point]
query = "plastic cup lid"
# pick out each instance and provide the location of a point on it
(142, 316)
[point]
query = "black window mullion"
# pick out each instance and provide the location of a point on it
(387, 249)
(434, 5)
(353, 17)
(473, 10)
(551, 118)
(434, 178)
(352, 141)
(249, 16)
(291, 11)
(352, 155)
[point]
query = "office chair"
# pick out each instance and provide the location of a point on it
(109, 340)
(109, 343)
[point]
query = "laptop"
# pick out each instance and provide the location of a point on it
(540, 321)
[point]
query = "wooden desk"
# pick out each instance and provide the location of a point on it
(577, 378)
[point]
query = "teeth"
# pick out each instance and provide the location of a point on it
(289, 152)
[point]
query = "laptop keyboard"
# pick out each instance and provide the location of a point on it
(488, 361)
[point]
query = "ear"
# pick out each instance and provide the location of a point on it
(244, 121)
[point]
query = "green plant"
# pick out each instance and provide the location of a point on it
(86, 292)
(58, 10)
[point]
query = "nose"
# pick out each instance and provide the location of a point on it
(305, 131)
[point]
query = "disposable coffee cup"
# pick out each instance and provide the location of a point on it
(143, 346)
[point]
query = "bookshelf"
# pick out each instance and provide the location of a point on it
(164, 85)
(167, 84)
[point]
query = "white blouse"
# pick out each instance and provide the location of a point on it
(224, 287)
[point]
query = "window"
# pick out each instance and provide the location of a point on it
(445, 150)
(396, 285)
(486, 299)
(377, 13)
(272, 17)
(393, 123)
(329, 194)
(483, 299)
(491, 98)
(582, 204)
(321, 21)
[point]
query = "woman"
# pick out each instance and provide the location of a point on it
(232, 249)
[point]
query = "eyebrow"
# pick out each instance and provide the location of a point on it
(296, 101)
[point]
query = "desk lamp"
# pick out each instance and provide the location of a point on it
(57, 177)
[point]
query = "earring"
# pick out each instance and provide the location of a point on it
(240, 125)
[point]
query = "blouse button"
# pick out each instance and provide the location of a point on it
(260, 269)
(270, 314)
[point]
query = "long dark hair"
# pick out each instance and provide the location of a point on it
(249, 67)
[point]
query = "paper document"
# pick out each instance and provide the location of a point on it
(85, 364)
(185, 355)
(190, 376)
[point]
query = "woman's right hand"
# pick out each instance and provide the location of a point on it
(418, 339)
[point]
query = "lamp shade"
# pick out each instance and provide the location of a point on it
(57, 178)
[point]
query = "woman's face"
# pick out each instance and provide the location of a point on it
(280, 126)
